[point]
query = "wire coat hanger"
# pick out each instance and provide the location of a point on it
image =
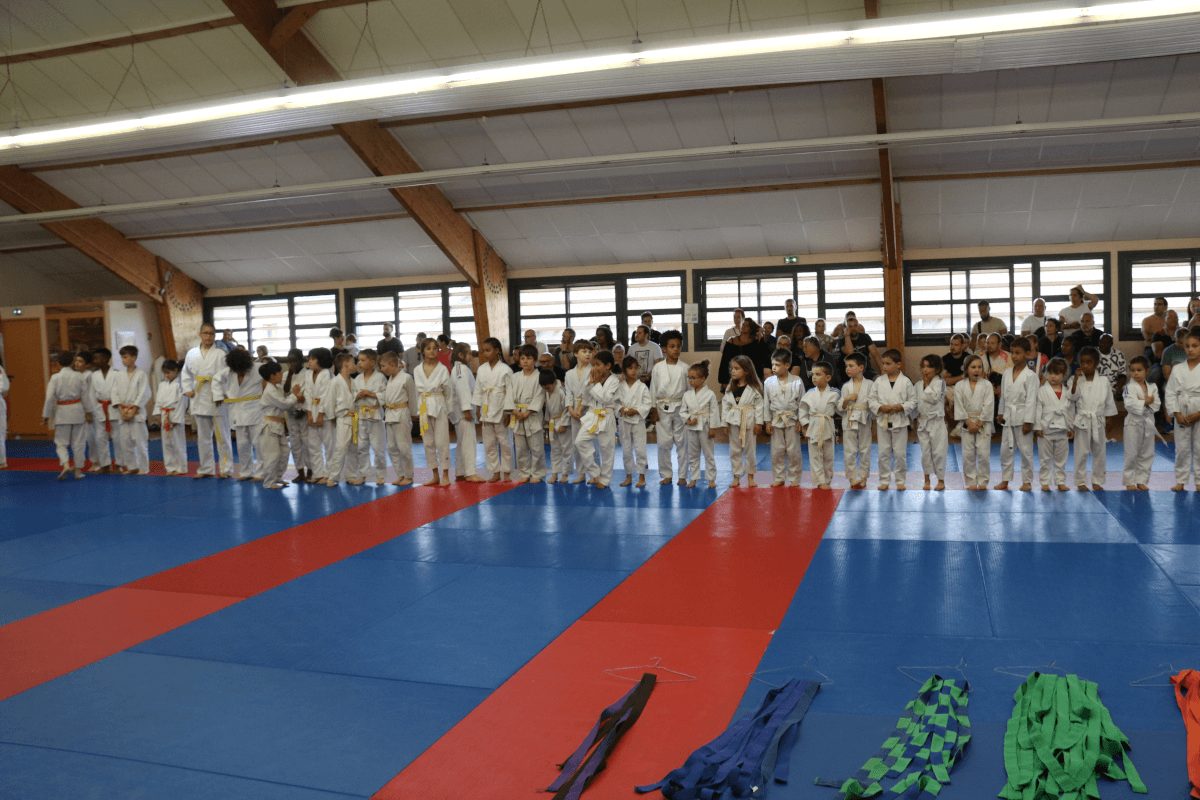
(653, 664)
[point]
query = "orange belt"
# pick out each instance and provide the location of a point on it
(104, 404)
(276, 419)
(70, 402)
(166, 418)
(1187, 695)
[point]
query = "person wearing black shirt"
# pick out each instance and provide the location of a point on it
(339, 337)
(648, 321)
(1088, 334)
(747, 343)
(389, 343)
(1050, 342)
(810, 354)
(784, 326)
(855, 340)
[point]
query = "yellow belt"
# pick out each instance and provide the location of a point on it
(826, 419)
(280, 420)
(242, 399)
(354, 427)
(367, 412)
(601, 414)
(514, 422)
(424, 412)
(743, 410)
(487, 393)
(395, 406)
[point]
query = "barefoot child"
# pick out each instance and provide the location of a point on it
(524, 405)
(668, 382)
(433, 390)
(1093, 397)
(399, 401)
(974, 405)
(931, 420)
(311, 394)
(340, 406)
(131, 396)
(273, 435)
(367, 386)
(107, 418)
(633, 406)
(855, 409)
(562, 446)
(491, 395)
(893, 402)
(170, 406)
(462, 414)
(742, 411)
(68, 398)
(240, 387)
(783, 391)
(297, 417)
(1017, 413)
(598, 425)
(701, 416)
(576, 386)
(1183, 407)
(1054, 426)
(1142, 401)
(818, 407)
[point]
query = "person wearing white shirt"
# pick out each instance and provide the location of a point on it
(633, 406)
(558, 423)
(491, 389)
(131, 394)
(200, 366)
(1093, 397)
(340, 407)
(598, 424)
(68, 404)
(170, 406)
(531, 339)
(739, 317)
(782, 393)
(321, 427)
(1035, 321)
(645, 351)
(1182, 397)
(742, 412)
(1072, 315)
(399, 401)
(576, 384)
(273, 431)
(668, 382)
(974, 404)
(893, 401)
(367, 387)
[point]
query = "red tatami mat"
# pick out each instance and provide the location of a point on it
(63, 639)
(705, 604)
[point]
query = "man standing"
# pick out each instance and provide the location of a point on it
(412, 356)
(562, 354)
(200, 366)
(785, 325)
(987, 324)
(1035, 321)
(645, 351)
(648, 321)
(389, 343)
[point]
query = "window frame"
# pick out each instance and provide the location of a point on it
(211, 303)
(362, 292)
(1125, 260)
(622, 311)
(699, 292)
(999, 262)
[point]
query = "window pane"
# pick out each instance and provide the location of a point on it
(662, 322)
(229, 317)
(647, 294)
(774, 292)
(721, 294)
(585, 327)
(593, 300)
(270, 326)
(420, 312)
(375, 309)
(460, 303)
(1162, 277)
(1059, 277)
(1142, 307)
(932, 319)
(871, 319)
(807, 302)
(858, 285)
(552, 302)
(308, 338)
(317, 309)
(549, 331)
(368, 335)
(991, 285)
(928, 286)
(464, 331)
(1023, 292)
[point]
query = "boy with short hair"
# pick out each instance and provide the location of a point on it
(576, 387)
(68, 403)
(818, 407)
(855, 409)
(668, 382)
(524, 405)
(893, 401)
(633, 406)
(313, 385)
(1016, 413)
(273, 433)
(1112, 364)
(492, 381)
(107, 419)
(398, 400)
(366, 387)
(783, 391)
(170, 406)
(131, 394)
(1093, 398)
(558, 423)
(339, 404)
(1142, 401)
(1054, 426)
(598, 425)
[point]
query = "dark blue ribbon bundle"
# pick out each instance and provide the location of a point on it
(750, 753)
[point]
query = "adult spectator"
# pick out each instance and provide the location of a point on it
(604, 338)
(389, 343)
(810, 354)
(1193, 313)
(857, 340)
(800, 331)
(987, 325)
(784, 326)
(1050, 342)
(562, 354)
(1035, 321)
(768, 334)
(1072, 315)
(952, 362)
(739, 317)
(531, 339)
(339, 341)
(1088, 334)
(748, 344)
(1112, 364)
(645, 351)
(1165, 337)
(546, 361)
(1153, 324)
(825, 340)
(648, 321)
(1173, 354)
(227, 343)
(412, 356)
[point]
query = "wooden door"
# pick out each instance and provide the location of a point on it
(23, 363)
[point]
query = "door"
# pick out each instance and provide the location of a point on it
(23, 363)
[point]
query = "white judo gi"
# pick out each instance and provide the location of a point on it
(931, 426)
(632, 429)
(321, 438)
(339, 406)
(199, 368)
(272, 435)
(855, 409)
(491, 390)
(1055, 417)
(242, 396)
(105, 421)
(817, 410)
(68, 401)
(599, 427)
(297, 421)
(892, 429)
(976, 404)
(782, 411)
(170, 406)
(1182, 396)
(399, 403)
(1093, 403)
(131, 394)
(525, 393)
(1140, 407)
(462, 400)
(1018, 406)
(668, 382)
(433, 403)
(740, 415)
(558, 423)
(372, 440)
(701, 412)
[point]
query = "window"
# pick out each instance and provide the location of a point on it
(233, 318)
(943, 297)
(280, 322)
(270, 325)
(312, 317)
(549, 307)
(1143, 276)
(820, 291)
(433, 310)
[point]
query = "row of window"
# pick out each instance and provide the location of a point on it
(942, 298)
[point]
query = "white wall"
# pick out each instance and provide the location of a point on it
(142, 321)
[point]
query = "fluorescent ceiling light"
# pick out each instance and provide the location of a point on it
(363, 92)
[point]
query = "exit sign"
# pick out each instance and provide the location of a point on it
(791, 259)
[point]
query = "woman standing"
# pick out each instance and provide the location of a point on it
(747, 343)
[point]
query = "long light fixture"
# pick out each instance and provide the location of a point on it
(367, 90)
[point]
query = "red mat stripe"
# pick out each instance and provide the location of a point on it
(43, 647)
(705, 604)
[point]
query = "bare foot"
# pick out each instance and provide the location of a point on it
(712, 484)
(900, 487)
(522, 480)
(776, 483)
(444, 482)
(244, 478)
(580, 479)
(535, 480)
(750, 482)
(664, 481)
(1179, 487)
(553, 478)
(591, 480)
(1143, 487)
(682, 481)
(941, 486)
(1002, 485)
(1045, 487)
(1062, 487)
(883, 487)
(1082, 487)
(926, 487)
(473, 479)
(434, 481)
(1097, 487)
(78, 474)
(331, 484)
(508, 476)
(252, 480)
(380, 482)
(402, 482)
(691, 485)
(627, 482)
(458, 478)
(276, 486)
(641, 481)
(824, 486)
(1025, 487)
(599, 485)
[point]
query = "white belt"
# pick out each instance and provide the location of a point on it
(782, 418)
(666, 401)
(826, 420)
(742, 425)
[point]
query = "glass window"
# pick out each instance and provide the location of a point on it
(1145, 276)
(420, 312)
(548, 307)
(232, 318)
(270, 325)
